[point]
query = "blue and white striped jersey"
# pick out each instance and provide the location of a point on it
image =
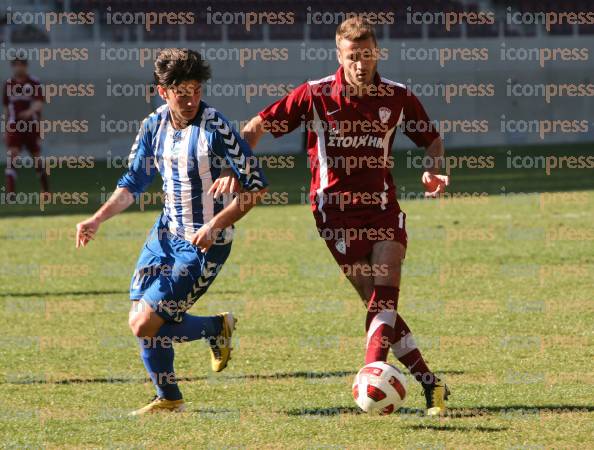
(189, 160)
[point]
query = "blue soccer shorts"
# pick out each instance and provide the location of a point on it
(172, 274)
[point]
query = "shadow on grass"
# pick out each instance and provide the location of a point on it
(325, 412)
(220, 379)
(511, 412)
(214, 413)
(517, 411)
(214, 378)
(62, 294)
(436, 427)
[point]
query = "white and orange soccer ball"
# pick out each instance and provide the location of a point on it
(379, 388)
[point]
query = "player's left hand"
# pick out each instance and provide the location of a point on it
(85, 231)
(434, 184)
(227, 183)
(204, 237)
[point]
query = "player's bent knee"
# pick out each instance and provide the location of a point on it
(134, 324)
(140, 324)
(143, 321)
(368, 290)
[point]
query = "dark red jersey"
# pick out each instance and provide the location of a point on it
(349, 138)
(18, 97)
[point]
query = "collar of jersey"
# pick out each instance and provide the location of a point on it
(196, 121)
(337, 93)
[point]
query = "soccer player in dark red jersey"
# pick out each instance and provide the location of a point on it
(23, 101)
(351, 119)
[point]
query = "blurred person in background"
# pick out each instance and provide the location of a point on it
(23, 102)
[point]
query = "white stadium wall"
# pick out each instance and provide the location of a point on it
(103, 112)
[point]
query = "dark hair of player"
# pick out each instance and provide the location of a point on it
(176, 65)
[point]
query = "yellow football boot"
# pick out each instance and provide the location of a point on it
(220, 346)
(436, 395)
(159, 404)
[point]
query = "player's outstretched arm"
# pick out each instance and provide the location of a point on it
(435, 183)
(121, 199)
(253, 131)
(238, 208)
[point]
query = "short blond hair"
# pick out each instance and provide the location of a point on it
(355, 29)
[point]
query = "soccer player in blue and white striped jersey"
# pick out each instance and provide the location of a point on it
(191, 145)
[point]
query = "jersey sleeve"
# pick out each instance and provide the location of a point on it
(417, 125)
(286, 114)
(141, 163)
(226, 143)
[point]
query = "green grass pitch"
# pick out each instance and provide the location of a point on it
(497, 290)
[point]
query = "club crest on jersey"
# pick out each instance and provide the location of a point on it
(384, 114)
(341, 246)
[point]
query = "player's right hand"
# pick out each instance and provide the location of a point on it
(434, 184)
(226, 183)
(85, 231)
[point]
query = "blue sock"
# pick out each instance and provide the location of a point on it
(157, 352)
(157, 356)
(191, 328)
